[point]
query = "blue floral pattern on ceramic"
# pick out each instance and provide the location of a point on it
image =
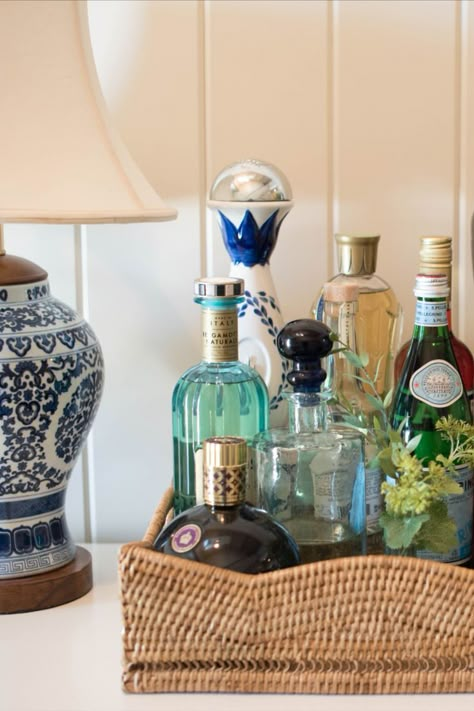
(257, 304)
(51, 380)
(249, 244)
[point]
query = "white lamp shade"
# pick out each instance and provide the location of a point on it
(60, 158)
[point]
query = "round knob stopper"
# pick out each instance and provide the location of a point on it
(305, 342)
(250, 181)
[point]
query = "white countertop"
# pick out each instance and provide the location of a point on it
(68, 659)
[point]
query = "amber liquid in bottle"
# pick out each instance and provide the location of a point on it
(379, 315)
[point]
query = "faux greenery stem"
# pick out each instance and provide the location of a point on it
(416, 514)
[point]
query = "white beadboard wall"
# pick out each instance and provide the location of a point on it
(366, 105)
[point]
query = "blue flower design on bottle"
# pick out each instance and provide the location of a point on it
(249, 244)
(256, 305)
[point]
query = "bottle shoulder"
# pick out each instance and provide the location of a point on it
(217, 373)
(429, 344)
(283, 438)
(367, 283)
(429, 388)
(459, 347)
(253, 541)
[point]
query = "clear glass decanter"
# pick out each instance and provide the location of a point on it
(218, 396)
(310, 478)
(225, 531)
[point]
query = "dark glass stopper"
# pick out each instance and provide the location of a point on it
(305, 341)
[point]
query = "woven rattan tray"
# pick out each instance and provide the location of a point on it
(377, 624)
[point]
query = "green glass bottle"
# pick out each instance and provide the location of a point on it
(217, 397)
(430, 387)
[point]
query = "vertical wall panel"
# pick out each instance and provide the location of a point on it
(466, 159)
(141, 276)
(266, 98)
(395, 128)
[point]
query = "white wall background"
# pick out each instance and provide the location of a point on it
(366, 105)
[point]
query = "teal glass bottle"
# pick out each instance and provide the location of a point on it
(430, 387)
(217, 397)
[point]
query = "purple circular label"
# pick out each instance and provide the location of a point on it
(185, 538)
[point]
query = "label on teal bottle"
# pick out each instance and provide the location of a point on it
(437, 383)
(460, 510)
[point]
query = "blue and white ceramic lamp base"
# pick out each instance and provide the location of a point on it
(51, 375)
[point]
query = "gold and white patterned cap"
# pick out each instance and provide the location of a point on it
(225, 469)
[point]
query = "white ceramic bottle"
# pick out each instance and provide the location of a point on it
(251, 199)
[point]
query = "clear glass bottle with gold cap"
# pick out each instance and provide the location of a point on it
(218, 396)
(436, 256)
(225, 531)
(379, 316)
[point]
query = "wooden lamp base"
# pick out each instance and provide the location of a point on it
(38, 592)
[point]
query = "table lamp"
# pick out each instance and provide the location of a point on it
(60, 162)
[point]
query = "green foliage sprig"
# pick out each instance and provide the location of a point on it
(416, 514)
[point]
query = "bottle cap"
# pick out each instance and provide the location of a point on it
(436, 256)
(357, 254)
(250, 181)
(218, 286)
(225, 468)
(305, 341)
(434, 285)
(340, 293)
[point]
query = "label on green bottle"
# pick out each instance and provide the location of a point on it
(460, 510)
(437, 383)
(431, 313)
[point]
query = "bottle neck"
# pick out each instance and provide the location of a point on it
(341, 373)
(220, 340)
(431, 312)
(224, 487)
(435, 263)
(307, 412)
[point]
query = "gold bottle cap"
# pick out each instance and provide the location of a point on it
(436, 256)
(225, 469)
(357, 254)
(340, 293)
